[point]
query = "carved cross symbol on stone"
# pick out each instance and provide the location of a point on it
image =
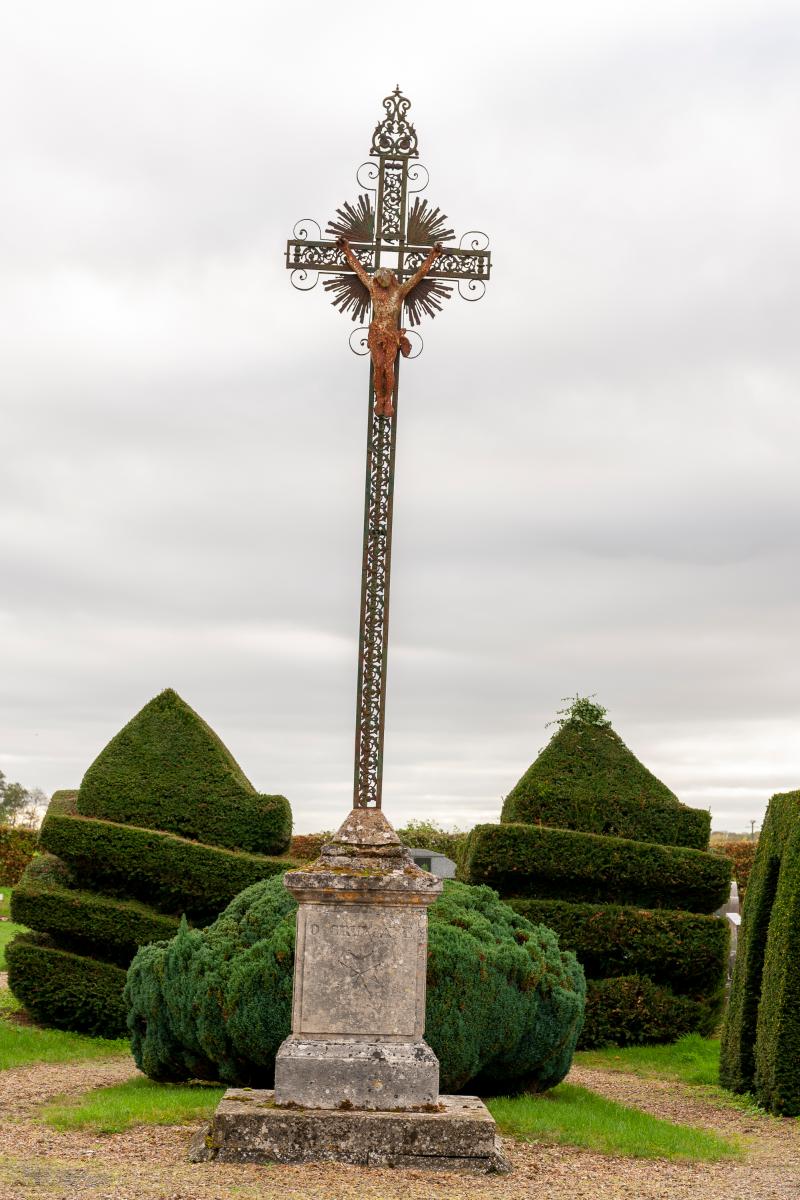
(381, 231)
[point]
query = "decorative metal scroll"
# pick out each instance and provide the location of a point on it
(383, 229)
(395, 135)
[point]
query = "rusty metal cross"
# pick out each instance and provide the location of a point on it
(384, 230)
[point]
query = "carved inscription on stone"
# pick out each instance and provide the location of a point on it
(358, 970)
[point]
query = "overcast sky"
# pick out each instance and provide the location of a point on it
(597, 475)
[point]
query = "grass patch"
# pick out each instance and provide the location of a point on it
(21, 1044)
(577, 1117)
(692, 1059)
(136, 1102)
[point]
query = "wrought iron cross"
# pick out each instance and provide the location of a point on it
(381, 230)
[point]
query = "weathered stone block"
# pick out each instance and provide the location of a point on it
(459, 1134)
(360, 968)
(328, 1074)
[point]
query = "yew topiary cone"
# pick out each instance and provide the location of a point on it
(165, 824)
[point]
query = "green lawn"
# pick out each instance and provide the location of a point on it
(692, 1059)
(136, 1102)
(21, 1044)
(577, 1117)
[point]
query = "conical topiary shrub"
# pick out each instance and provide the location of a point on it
(164, 824)
(594, 846)
(587, 779)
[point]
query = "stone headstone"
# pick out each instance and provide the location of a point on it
(430, 860)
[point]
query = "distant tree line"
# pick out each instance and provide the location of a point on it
(20, 807)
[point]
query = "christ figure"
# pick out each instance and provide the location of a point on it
(386, 337)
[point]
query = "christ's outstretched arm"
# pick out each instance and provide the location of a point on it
(344, 245)
(422, 269)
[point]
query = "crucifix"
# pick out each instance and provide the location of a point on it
(393, 259)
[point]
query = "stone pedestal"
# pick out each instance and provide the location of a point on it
(355, 1080)
(358, 1013)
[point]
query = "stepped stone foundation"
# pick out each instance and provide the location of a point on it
(249, 1127)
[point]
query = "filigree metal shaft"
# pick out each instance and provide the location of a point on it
(374, 623)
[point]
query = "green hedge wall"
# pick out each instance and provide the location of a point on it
(167, 871)
(17, 848)
(67, 990)
(587, 779)
(632, 1010)
(761, 1039)
(168, 770)
(521, 860)
(504, 1004)
(89, 923)
(685, 951)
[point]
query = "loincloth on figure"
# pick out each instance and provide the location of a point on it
(386, 342)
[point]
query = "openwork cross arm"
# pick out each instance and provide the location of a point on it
(397, 261)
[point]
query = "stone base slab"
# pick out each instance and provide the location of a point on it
(249, 1127)
(345, 1073)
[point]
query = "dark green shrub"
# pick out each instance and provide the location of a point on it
(587, 779)
(168, 770)
(17, 847)
(685, 951)
(66, 990)
(761, 1039)
(89, 923)
(504, 1004)
(170, 872)
(526, 860)
(631, 1010)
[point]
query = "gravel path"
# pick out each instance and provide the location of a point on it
(149, 1163)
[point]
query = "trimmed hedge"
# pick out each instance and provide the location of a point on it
(504, 1007)
(168, 770)
(685, 951)
(88, 923)
(107, 887)
(169, 872)
(562, 864)
(587, 779)
(17, 847)
(761, 1039)
(64, 989)
(631, 1010)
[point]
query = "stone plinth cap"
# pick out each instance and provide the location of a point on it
(365, 861)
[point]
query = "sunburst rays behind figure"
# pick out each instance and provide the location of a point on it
(356, 222)
(426, 225)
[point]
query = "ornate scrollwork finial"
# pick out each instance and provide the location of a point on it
(395, 135)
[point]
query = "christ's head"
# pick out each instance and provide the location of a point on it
(384, 277)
